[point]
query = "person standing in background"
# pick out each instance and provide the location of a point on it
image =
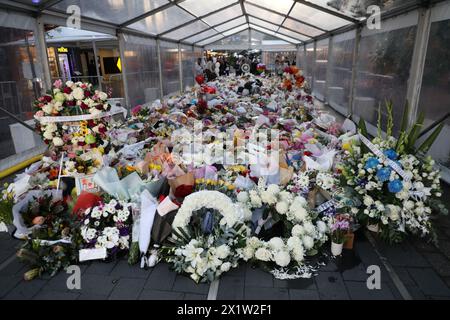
(198, 67)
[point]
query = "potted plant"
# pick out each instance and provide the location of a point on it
(339, 229)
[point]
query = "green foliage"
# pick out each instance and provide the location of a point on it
(426, 145)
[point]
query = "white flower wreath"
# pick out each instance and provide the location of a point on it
(231, 212)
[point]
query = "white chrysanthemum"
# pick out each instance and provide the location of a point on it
(263, 254)
(308, 242)
(282, 258)
(286, 196)
(298, 254)
(294, 242)
(276, 243)
(309, 228)
(298, 230)
(322, 227)
(300, 214)
(248, 253)
(225, 267)
(242, 196)
(254, 242)
(268, 197)
(223, 251)
(273, 189)
(78, 94)
(282, 207)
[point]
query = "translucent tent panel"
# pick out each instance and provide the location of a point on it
(142, 71)
(224, 15)
(191, 28)
(358, 8)
(187, 64)
(231, 24)
(384, 62)
(200, 8)
(162, 21)
(210, 40)
(264, 30)
(258, 37)
(434, 94)
(170, 67)
(201, 36)
(289, 39)
(235, 30)
(340, 69)
(115, 11)
(282, 6)
(262, 23)
(292, 34)
(303, 28)
(309, 63)
(317, 18)
(258, 12)
(320, 70)
(239, 39)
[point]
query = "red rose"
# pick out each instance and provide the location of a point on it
(84, 106)
(70, 103)
(87, 93)
(183, 191)
(67, 90)
(81, 143)
(99, 107)
(307, 153)
(102, 129)
(48, 99)
(93, 145)
(91, 123)
(200, 79)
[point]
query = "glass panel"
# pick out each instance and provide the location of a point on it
(163, 21)
(289, 39)
(19, 70)
(224, 15)
(210, 40)
(357, 8)
(282, 6)
(141, 59)
(201, 36)
(240, 39)
(341, 66)
(170, 66)
(309, 63)
(184, 32)
(317, 18)
(262, 29)
(303, 28)
(384, 62)
(291, 34)
(188, 59)
(269, 16)
(262, 23)
(258, 38)
(231, 24)
(435, 93)
(320, 70)
(269, 58)
(110, 73)
(200, 8)
(115, 11)
(233, 31)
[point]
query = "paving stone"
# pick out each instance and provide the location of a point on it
(429, 282)
(331, 286)
(301, 284)
(231, 288)
(358, 273)
(127, 289)
(439, 262)
(160, 295)
(258, 278)
(444, 247)
(237, 272)
(26, 290)
(404, 276)
(423, 246)
(103, 268)
(123, 269)
(415, 292)
(15, 267)
(59, 282)
(97, 284)
(260, 293)
(366, 253)
(55, 295)
(161, 278)
(192, 296)
(330, 266)
(404, 255)
(187, 285)
(7, 283)
(359, 291)
(439, 298)
(296, 294)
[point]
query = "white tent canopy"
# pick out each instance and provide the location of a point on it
(201, 23)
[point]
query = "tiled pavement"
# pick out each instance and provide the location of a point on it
(343, 278)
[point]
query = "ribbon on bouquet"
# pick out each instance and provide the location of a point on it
(83, 117)
(406, 177)
(331, 204)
